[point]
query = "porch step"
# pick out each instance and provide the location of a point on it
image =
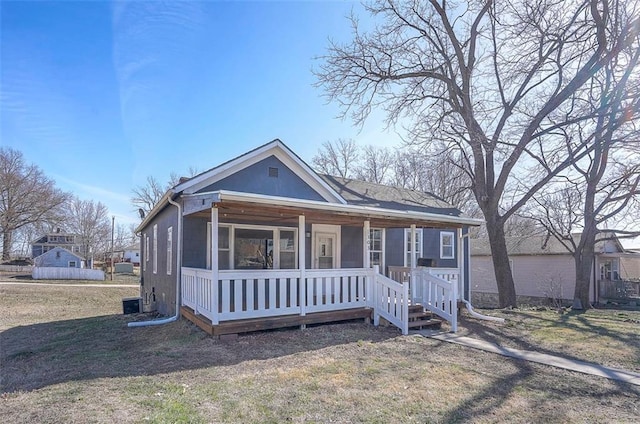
(419, 318)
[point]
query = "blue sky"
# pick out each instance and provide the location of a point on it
(102, 94)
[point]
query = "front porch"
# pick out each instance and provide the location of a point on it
(253, 300)
(273, 262)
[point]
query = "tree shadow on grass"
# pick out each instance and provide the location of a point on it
(501, 335)
(40, 355)
(544, 383)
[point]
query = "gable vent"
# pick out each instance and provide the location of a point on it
(273, 172)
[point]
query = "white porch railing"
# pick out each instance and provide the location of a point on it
(196, 290)
(402, 274)
(436, 294)
(336, 289)
(245, 294)
(257, 294)
(391, 302)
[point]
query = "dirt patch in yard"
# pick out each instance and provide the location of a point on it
(67, 356)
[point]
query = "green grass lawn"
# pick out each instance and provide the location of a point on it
(67, 356)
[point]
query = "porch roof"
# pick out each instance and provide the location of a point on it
(237, 206)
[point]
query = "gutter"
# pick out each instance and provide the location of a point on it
(178, 268)
(480, 316)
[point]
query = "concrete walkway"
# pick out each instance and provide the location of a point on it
(17, 283)
(541, 358)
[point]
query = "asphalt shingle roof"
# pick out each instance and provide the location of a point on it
(364, 193)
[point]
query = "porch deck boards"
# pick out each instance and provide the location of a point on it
(258, 324)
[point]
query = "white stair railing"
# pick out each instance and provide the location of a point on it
(436, 295)
(391, 302)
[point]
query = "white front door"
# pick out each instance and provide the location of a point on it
(326, 250)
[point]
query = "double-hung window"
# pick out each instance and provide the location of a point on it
(407, 246)
(447, 245)
(376, 247)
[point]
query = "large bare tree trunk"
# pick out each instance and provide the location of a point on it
(583, 259)
(583, 265)
(6, 245)
(502, 269)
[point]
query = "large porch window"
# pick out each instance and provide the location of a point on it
(254, 247)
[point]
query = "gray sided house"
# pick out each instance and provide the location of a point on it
(70, 242)
(263, 238)
(59, 257)
(544, 271)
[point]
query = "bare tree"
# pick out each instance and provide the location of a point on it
(146, 196)
(89, 220)
(375, 165)
(337, 158)
(124, 236)
(487, 79)
(597, 194)
(27, 196)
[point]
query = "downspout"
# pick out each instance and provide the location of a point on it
(467, 302)
(178, 272)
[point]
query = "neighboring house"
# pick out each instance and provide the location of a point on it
(544, 271)
(47, 242)
(132, 254)
(59, 257)
(288, 246)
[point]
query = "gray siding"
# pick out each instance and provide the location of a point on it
(431, 247)
(58, 257)
(394, 247)
(158, 290)
(256, 179)
(351, 247)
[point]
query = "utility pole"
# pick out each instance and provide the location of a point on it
(113, 221)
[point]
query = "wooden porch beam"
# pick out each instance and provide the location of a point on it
(248, 213)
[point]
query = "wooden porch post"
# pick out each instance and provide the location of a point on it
(366, 256)
(214, 265)
(302, 256)
(413, 246)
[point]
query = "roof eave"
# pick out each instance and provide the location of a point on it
(363, 210)
(162, 203)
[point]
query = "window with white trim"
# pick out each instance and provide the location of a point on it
(407, 246)
(376, 247)
(169, 250)
(72, 264)
(155, 249)
(447, 245)
(146, 252)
